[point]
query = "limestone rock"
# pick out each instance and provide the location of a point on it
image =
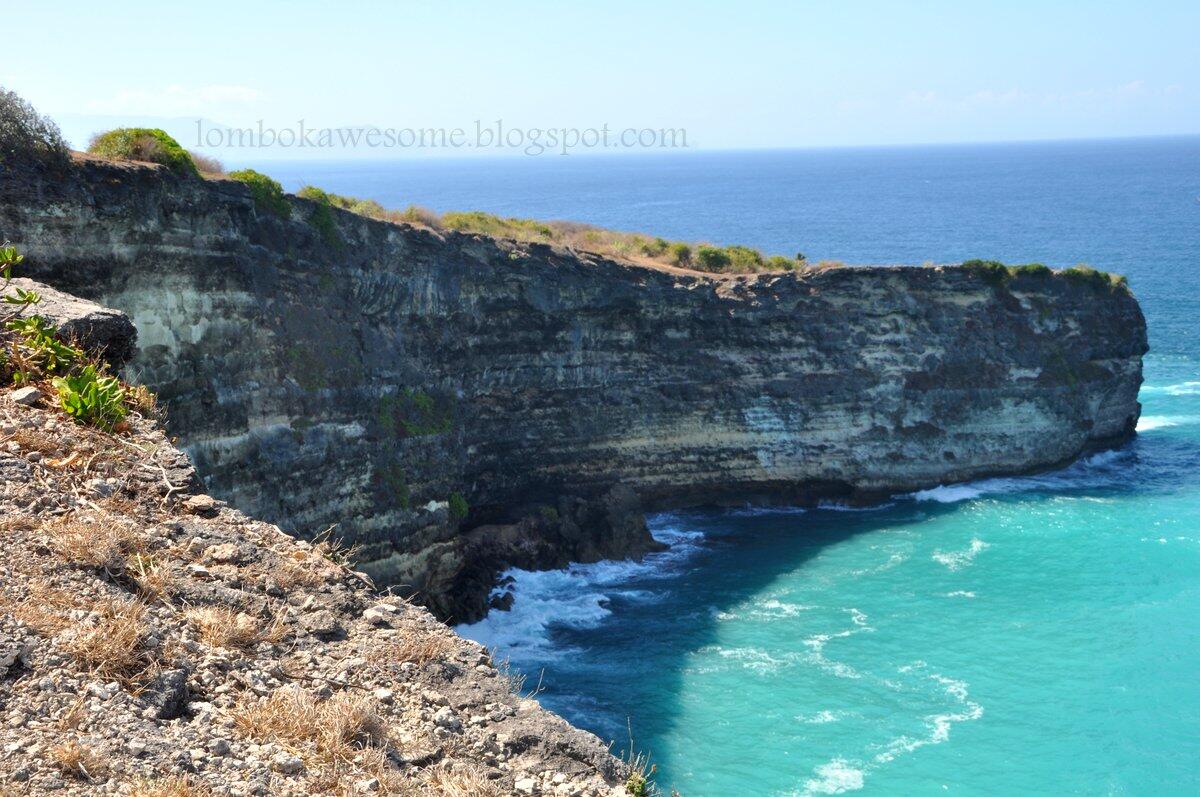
(27, 396)
(100, 330)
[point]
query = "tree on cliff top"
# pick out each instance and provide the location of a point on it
(27, 137)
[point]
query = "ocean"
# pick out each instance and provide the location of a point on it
(1034, 635)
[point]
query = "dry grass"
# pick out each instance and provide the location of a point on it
(100, 542)
(207, 164)
(29, 440)
(418, 646)
(463, 782)
(343, 733)
(334, 549)
(12, 525)
(151, 576)
(301, 569)
(44, 608)
(113, 647)
(77, 760)
(225, 628)
(142, 399)
(174, 786)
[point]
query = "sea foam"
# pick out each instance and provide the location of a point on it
(577, 597)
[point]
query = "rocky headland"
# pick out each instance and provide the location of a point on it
(454, 404)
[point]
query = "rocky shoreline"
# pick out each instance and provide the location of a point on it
(155, 642)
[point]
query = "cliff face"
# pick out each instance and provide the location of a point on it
(361, 373)
(155, 641)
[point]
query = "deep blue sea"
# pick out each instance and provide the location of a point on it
(1021, 636)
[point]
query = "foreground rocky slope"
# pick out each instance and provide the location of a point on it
(457, 403)
(157, 643)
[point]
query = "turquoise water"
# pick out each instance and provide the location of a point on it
(1032, 635)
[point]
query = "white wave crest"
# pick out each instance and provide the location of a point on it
(948, 494)
(834, 777)
(1180, 389)
(823, 717)
(1105, 468)
(1148, 423)
(957, 560)
(577, 597)
(939, 725)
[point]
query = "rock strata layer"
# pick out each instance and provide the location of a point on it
(456, 404)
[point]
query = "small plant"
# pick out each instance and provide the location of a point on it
(92, 398)
(267, 193)
(639, 782)
(45, 349)
(9, 258)
(77, 761)
(458, 506)
(149, 144)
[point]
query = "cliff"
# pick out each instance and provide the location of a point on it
(155, 642)
(325, 368)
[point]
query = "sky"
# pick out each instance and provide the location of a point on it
(746, 74)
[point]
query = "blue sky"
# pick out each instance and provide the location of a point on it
(741, 74)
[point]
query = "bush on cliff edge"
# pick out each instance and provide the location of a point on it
(28, 137)
(148, 144)
(267, 193)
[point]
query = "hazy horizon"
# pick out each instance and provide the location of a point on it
(761, 75)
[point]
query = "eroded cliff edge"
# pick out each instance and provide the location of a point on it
(361, 373)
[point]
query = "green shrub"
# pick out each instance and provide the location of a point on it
(992, 272)
(143, 144)
(681, 254)
(458, 506)
(653, 248)
(711, 258)
(781, 263)
(1031, 270)
(415, 214)
(743, 258)
(91, 398)
(322, 217)
(476, 221)
(27, 136)
(1084, 274)
(267, 193)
